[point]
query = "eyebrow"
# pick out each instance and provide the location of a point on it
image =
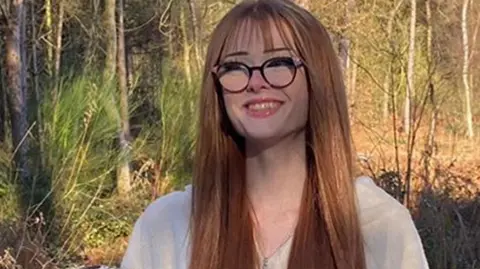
(241, 53)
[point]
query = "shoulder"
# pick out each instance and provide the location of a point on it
(174, 207)
(391, 238)
(374, 203)
(159, 235)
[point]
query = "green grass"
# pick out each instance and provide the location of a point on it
(80, 153)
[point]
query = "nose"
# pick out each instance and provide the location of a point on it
(257, 82)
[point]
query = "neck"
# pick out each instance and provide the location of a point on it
(276, 173)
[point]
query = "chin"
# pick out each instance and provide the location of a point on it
(266, 136)
(258, 138)
(272, 136)
(269, 131)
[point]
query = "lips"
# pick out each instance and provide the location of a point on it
(262, 108)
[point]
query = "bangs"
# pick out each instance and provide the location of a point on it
(252, 27)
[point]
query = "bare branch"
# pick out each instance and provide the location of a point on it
(141, 24)
(5, 16)
(163, 17)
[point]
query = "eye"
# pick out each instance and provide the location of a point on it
(230, 67)
(280, 62)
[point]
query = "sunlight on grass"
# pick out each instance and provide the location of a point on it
(81, 155)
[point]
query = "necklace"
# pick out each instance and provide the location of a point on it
(265, 259)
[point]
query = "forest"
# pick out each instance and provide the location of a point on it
(98, 113)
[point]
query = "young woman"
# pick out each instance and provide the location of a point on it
(274, 185)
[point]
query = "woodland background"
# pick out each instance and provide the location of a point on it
(98, 107)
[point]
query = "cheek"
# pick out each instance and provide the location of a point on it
(299, 95)
(228, 103)
(231, 106)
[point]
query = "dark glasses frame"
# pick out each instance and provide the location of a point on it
(297, 63)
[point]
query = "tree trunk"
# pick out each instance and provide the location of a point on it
(129, 64)
(123, 175)
(16, 86)
(36, 84)
(3, 111)
(186, 47)
(353, 87)
(110, 40)
(58, 39)
(344, 43)
(49, 35)
(192, 4)
(465, 70)
(343, 52)
(348, 51)
(58, 50)
(428, 13)
(409, 97)
(387, 85)
(430, 143)
(410, 91)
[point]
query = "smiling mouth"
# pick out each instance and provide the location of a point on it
(263, 109)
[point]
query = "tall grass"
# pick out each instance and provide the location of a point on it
(7, 188)
(168, 142)
(81, 156)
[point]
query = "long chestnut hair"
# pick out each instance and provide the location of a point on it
(328, 234)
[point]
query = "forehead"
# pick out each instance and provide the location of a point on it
(257, 36)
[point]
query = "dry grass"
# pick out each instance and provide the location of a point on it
(446, 205)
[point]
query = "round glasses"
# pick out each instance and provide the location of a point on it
(278, 72)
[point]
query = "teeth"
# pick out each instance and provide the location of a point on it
(262, 106)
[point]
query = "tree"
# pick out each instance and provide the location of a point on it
(110, 40)
(410, 90)
(196, 30)
(123, 177)
(351, 67)
(16, 73)
(387, 85)
(3, 107)
(58, 39)
(186, 45)
(48, 25)
(465, 69)
(344, 41)
(430, 143)
(115, 70)
(36, 81)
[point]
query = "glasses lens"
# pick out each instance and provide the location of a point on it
(233, 76)
(280, 72)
